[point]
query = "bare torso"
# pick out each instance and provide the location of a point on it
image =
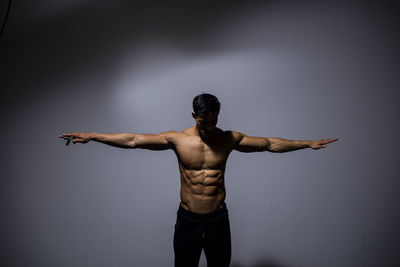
(202, 168)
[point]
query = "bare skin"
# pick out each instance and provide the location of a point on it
(202, 151)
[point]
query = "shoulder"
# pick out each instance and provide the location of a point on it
(235, 135)
(169, 134)
(172, 136)
(188, 131)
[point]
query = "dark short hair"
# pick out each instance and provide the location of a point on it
(206, 104)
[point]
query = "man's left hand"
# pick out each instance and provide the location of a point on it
(317, 144)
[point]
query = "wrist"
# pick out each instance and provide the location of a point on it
(307, 143)
(92, 136)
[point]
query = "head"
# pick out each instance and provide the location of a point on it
(205, 112)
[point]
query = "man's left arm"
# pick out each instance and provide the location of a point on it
(275, 144)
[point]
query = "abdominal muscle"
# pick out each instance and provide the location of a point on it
(202, 191)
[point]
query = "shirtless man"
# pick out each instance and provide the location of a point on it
(202, 151)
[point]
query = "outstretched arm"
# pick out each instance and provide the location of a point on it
(124, 140)
(274, 144)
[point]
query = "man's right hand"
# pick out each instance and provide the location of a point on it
(77, 137)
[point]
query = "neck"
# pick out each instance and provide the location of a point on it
(197, 132)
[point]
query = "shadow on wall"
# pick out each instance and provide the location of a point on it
(88, 39)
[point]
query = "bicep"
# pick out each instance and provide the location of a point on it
(252, 144)
(152, 141)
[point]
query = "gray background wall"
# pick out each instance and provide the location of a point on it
(292, 70)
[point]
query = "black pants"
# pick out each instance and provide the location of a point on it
(194, 232)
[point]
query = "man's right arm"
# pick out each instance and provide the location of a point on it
(160, 141)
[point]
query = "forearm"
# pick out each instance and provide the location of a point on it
(283, 145)
(122, 140)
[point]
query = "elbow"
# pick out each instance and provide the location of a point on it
(273, 149)
(276, 148)
(265, 145)
(131, 144)
(277, 145)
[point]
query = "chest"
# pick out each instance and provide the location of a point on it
(193, 153)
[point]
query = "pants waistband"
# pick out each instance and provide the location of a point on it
(219, 211)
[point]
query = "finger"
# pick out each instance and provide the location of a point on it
(327, 141)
